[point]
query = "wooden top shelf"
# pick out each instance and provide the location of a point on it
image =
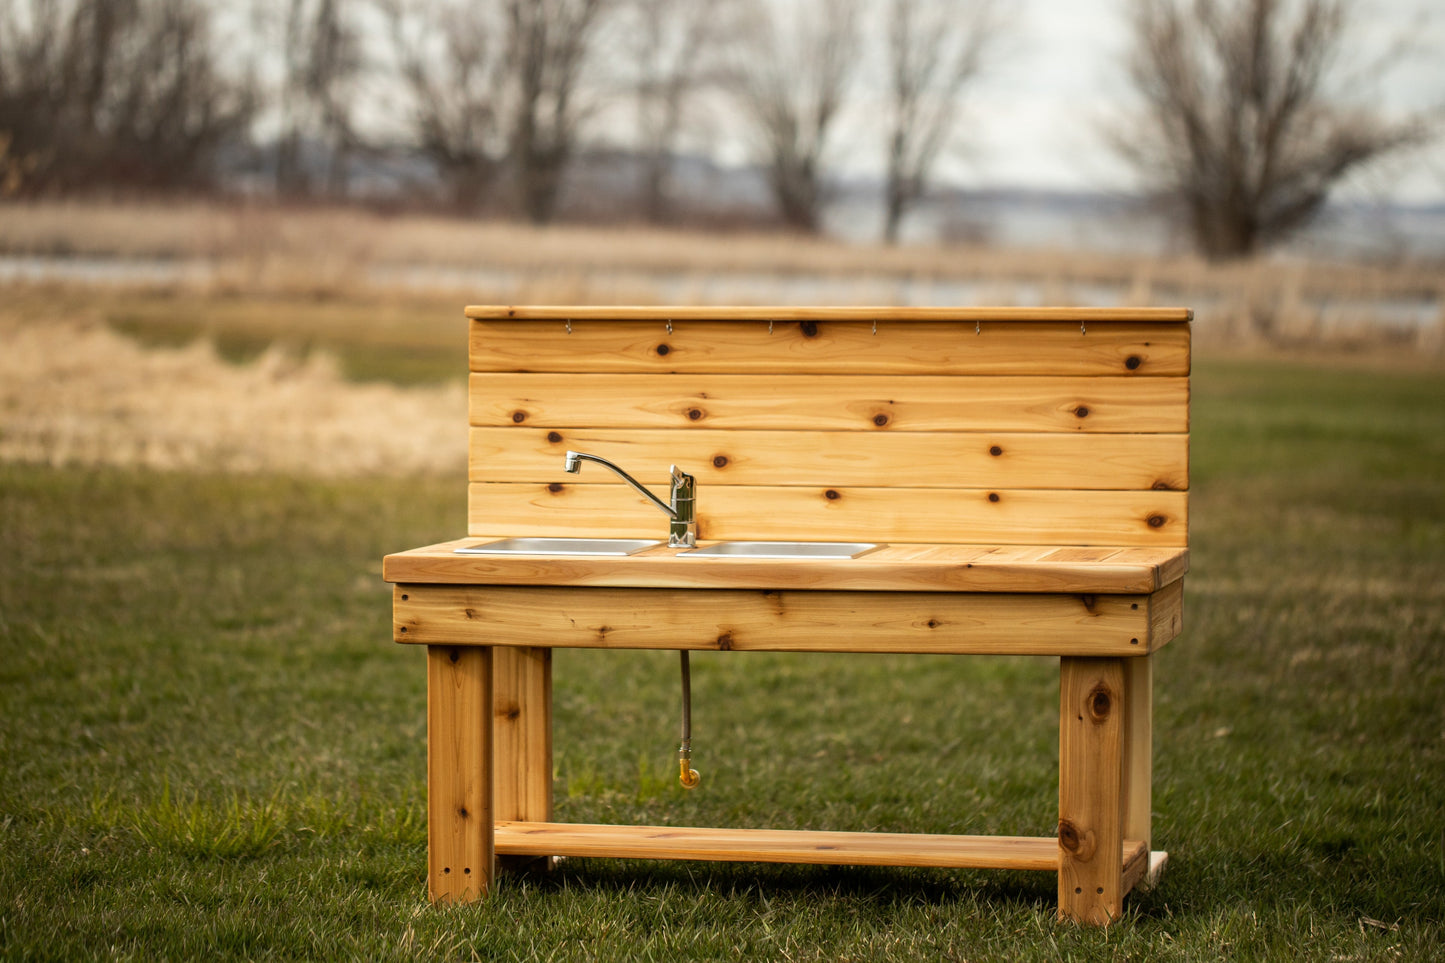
(513, 312)
(910, 568)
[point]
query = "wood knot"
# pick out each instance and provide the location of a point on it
(832, 495)
(694, 414)
(512, 712)
(555, 487)
(554, 436)
(725, 642)
(462, 812)
(1163, 486)
(809, 329)
(1157, 521)
(519, 416)
(993, 496)
(1080, 845)
(1133, 362)
(720, 461)
(1082, 411)
(1101, 703)
(663, 350)
(455, 655)
(1068, 835)
(995, 451)
(880, 420)
(932, 623)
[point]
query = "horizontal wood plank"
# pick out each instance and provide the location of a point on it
(778, 846)
(914, 568)
(994, 517)
(773, 621)
(841, 458)
(790, 846)
(840, 347)
(880, 313)
(830, 402)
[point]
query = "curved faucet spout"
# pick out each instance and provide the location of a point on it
(683, 531)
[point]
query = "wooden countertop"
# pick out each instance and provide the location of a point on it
(902, 568)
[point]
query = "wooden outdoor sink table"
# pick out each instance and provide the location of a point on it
(1027, 470)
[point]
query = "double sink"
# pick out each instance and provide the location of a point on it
(618, 547)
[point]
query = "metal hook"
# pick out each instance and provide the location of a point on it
(1082, 329)
(770, 327)
(669, 327)
(976, 329)
(875, 328)
(569, 325)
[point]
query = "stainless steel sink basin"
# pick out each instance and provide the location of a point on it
(791, 550)
(561, 546)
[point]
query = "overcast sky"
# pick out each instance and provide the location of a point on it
(1036, 116)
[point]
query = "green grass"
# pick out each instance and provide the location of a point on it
(210, 749)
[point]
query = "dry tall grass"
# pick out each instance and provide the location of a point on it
(73, 391)
(321, 250)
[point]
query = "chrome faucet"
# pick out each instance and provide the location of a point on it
(683, 530)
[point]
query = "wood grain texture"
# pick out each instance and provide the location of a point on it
(841, 347)
(905, 567)
(1138, 762)
(741, 621)
(840, 458)
(1092, 720)
(779, 846)
(1166, 611)
(459, 773)
(880, 313)
(830, 402)
(901, 514)
(522, 710)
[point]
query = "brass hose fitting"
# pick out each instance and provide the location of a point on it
(687, 775)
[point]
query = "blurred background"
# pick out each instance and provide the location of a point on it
(318, 186)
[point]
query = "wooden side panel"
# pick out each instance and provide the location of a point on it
(459, 772)
(991, 517)
(743, 620)
(1166, 613)
(830, 402)
(849, 458)
(1092, 721)
(843, 347)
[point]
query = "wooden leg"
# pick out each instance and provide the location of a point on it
(1138, 748)
(522, 709)
(1093, 711)
(459, 772)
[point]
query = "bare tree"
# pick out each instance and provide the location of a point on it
(1244, 124)
(673, 48)
(322, 62)
(548, 42)
(934, 49)
(124, 94)
(450, 59)
(791, 84)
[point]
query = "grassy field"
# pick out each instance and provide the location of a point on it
(210, 749)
